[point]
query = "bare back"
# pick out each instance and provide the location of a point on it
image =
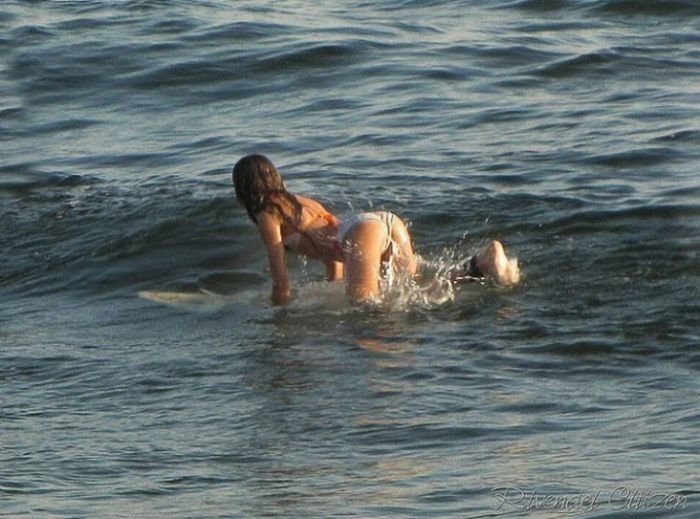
(314, 234)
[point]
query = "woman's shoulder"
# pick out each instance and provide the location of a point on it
(316, 208)
(312, 204)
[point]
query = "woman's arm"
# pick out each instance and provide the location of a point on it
(271, 233)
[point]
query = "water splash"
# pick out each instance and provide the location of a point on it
(435, 286)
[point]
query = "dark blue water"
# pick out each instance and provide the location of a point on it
(568, 129)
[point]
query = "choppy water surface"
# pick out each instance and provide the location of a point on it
(569, 129)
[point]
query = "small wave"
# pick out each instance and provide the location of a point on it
(15, 112)
(170, 26)
(634, 158)
(107, 238)
(646, 8)
(237, 31)
(576, 348)
(144, 160)
(589, 220)
(601, 7)
(214, 70)
(22, 177)
(30, 34)
(182, 74)
(63, 125)
(309, 56)
(582, 64)
(537, 5)
(691, 194)
(510, 55)
(683, 136)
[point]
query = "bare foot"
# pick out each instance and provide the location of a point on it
(494, 262)
(512, 274)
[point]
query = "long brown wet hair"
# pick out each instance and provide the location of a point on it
(259, 187)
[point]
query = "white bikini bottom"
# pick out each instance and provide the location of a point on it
(389, 248)
(385, 217)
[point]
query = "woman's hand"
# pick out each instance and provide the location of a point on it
(281, 293)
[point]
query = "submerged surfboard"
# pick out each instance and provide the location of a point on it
(204, 300)
(320, 295)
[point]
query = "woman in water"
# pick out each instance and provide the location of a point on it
(363, 249)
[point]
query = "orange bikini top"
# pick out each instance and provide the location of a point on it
(323, 214)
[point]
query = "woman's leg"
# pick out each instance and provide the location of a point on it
(363, 248)
(404, 257)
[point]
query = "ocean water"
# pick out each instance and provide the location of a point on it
(568, 129)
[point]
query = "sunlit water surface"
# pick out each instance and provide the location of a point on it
(569, 129)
